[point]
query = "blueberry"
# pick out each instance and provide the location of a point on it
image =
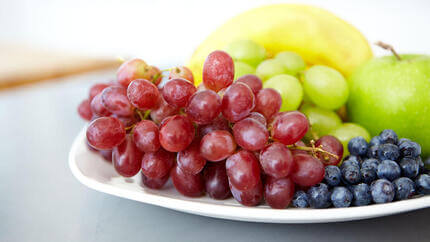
(404, 188)
(368, 174)
(300, 199)
(403, 140)
(332, 175)
(351, 160)
(319, 196)
(361, 194)
(382, 191)
(351, 174)
(410, 167)
(341, 197)
(422, 183)
(372, 152)
(375, 141)
(388, 136)
(370, 163)
(389, 170)
(409, 149)
(357, 146)
(388, 152)
(423, 167)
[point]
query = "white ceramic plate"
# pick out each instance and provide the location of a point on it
(91, 170)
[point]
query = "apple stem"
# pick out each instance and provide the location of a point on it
(386, 46)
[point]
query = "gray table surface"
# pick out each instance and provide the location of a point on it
(41, 201)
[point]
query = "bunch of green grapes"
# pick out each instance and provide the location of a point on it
(318, 91)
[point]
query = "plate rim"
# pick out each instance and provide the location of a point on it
(243, 213)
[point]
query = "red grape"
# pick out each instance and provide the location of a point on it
(131, 70)
(115, 100)
(253, 82)
(219, 123)
(145, 135)
(84, 110)
(143, 94)
(289, 127)
(190, 160)
(250, 134)
(98, 108)
(237, 102)
(218, 70)
(297, 151)
(96, 89)
(177, 92)
(106, 154)
(216, 180)
(330, 144)
(308, 170)
(152, 74)
(126, 121)
(157, 164)
(176, 133)
(154, 183)
(181, 72)
(204, 106)
(278, 192)
(276, 160)
(187, 184)
(243, 170)
(259, 117)
(163, 111)
(217, 145)
(127, 158)
(105, 133)
(268, 101)
(250, 197)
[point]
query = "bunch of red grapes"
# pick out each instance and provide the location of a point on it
(222, 138)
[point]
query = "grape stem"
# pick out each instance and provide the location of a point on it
(143, 116)
(130, 127)
(386, 46)
(312, 149)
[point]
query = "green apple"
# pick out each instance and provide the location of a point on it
(387, 93)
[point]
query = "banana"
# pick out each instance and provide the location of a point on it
(316, 34)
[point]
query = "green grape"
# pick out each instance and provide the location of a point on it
(348, 131)
(241, 69)
(246, 51)
(322, 120)
(290, 89)
(292, 62)
(326, 87)
(270, 68)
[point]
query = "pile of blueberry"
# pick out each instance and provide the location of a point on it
(381, 171)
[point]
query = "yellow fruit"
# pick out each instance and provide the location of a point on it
(315, 34)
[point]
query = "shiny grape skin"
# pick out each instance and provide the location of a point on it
(163, 111)
(250, 197)
(330, 144)
(250, 134)
(84, 110)
(131, 70)
(98, 108)
(145, 135)
(105, 133)
(177, 92)
(278, 192)
(259, 117)
(268, 102)
(253, 82)
(96, 89)
(243, 170)
(217, 145)
(154, 183)
(106, 154)
(190, 160)
(216, 180)
(218, 70)
(237, 102)
(276, 160)
(143, 94)
(115, 100)
(127, 158)
(152, 74)
(176, 133)
(181, 72)
(187, 184)
(204, 106)
(219, 123)
(157, 164)
(126, 121)
(289, 127)
(308, 170)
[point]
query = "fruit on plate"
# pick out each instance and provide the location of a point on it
(391, 92)
(315, 34)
